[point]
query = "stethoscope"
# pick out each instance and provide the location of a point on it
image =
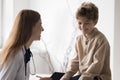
(26, 54)
(34, 67)
(32, 61)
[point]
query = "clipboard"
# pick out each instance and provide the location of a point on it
(58, 75)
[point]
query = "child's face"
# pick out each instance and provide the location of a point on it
(85, 25)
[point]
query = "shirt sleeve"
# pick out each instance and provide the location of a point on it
(99, 56)
(9, 71)
(74, 64)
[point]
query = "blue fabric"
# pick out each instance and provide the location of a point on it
(27, 55)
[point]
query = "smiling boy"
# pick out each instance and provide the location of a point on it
(92, 57)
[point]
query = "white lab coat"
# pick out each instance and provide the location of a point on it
(15, 70)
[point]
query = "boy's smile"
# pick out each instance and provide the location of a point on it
(85, 25)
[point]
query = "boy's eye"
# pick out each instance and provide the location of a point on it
(79, 23)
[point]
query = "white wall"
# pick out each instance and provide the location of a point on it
(0, 23)
(19, 5)
(7, 18)
(10, 10)
(116, 64)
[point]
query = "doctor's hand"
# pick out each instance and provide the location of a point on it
(46, 78)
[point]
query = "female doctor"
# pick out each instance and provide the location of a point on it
(15, 54)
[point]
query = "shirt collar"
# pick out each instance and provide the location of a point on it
(92, 34)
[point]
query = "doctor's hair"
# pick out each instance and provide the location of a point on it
(20, 33)
(88, 10)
